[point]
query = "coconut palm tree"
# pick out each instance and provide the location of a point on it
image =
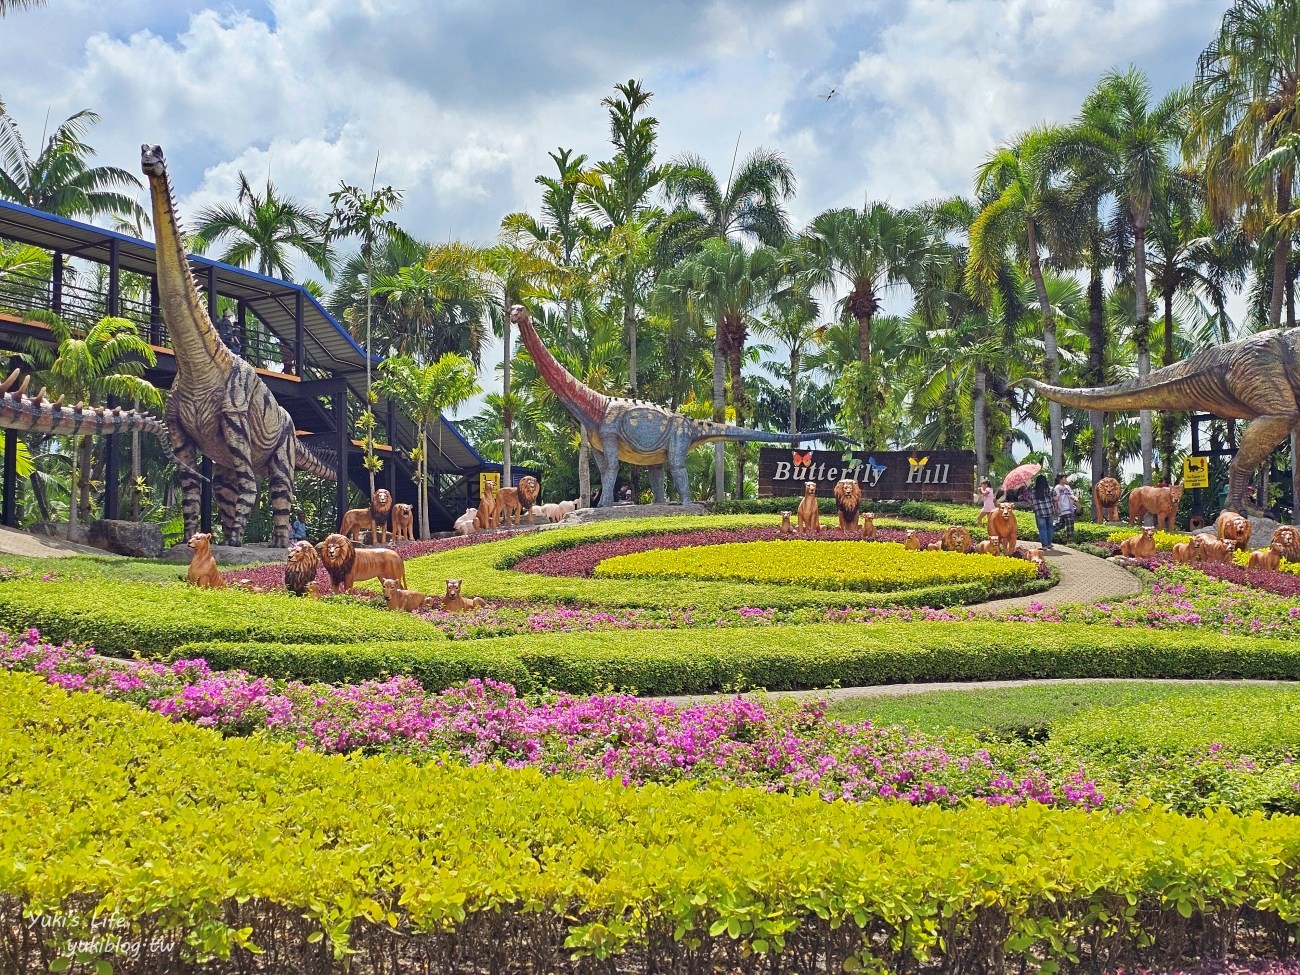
(424, 391)
(264, 231)
(8, 5)
(871, 251)
(109, 359)
(61, 180)
(750, 203)
(434, 306)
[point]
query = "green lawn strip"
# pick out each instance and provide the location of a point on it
(671, 662)
(965, 514)
(91, 567)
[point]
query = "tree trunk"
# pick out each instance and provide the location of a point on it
(794, 390)
(1143, 339)
(981, 425)
(72, 489)
(1097, 365)
(1168, 420)
(735, 352)
(584, 468)
(1051, 355)
(629, 323)
(719, 410)
(506, 417)
(865, 393)
(1281, 252)
(423, 474)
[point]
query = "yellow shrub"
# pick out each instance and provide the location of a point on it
(858, 566)
(1165, 541)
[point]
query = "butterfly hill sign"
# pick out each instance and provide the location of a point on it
(892, 475)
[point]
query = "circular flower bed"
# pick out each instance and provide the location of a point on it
(854, 566)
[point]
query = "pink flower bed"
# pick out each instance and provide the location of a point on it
(783, 747)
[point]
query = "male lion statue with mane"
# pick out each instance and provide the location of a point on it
(957, 539)
(1105, 500)
(512, 502)
(347, 565)
(373, 519)
(300, 570)
(1289, 539)
(848, 496)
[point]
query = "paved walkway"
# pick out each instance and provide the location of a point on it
(13, 542)
(1084, 579)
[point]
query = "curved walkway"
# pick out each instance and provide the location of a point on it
(1084, 579)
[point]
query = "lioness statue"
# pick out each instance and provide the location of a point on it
(1159, 502)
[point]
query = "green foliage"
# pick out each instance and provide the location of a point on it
(965, 514)
(774, 506)
(295, 854)
(668, 662)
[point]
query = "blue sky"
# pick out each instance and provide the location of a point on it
(462, 99)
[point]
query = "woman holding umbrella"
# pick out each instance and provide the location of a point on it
(1044, 511)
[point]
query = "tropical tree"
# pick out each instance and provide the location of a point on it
(108, 360)
(435, 305)
(871, 251)
(61, 180)
(8, 5)
(751, 202)
(423, 391)
(792, 322)
(264, 230)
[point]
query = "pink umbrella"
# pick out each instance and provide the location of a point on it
(1020, 476)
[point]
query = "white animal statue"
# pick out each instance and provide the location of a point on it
(465, 523)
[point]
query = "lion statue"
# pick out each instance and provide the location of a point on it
(1159, 502)
(404, 600)
(809, 520)
(957, 539)
(1289, 539)
(1105, 500)
(403, 523)
(1003, 526)
(485, 515)
(1140, 546)
(454, 602)
(512, 502)
(848, 496)
(1266, 559)
(203, 567)
(300, 570)
(347, 565)
(1232, 527)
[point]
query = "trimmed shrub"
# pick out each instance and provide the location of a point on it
(774, 506)
(965, 514)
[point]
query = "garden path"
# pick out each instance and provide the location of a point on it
(1084, 579)
(13, 542)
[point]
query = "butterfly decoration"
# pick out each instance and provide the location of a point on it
(915, 464)
(879, 468)
(802, 460)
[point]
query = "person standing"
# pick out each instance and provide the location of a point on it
(1044, 511)
(1066, 507)
(989, 503)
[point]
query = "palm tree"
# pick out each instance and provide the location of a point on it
(871, 251)
(792, 322)
(61, 180)
(435, 305)
(424, 391)
(7, 5)
(1131, 142)
(264, 230)
(108, 360)
(1020, 202)
(751, 203)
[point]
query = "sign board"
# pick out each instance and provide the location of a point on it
(493, 478)
(1196, 472)
(892, 475)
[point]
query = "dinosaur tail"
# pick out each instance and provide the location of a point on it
(1185, 385)
(305, 460)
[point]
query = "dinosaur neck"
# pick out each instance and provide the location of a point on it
(200, 352)
(584, 402)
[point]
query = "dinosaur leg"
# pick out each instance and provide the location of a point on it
(657, 484)
(280, 484)
(191, 484)
(609, 472)
(1261, 436)
(234, 431)
(677, 468)
(225, 487)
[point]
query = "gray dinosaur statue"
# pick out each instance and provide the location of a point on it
(218, 404)
(633, 430)
(1256, 378)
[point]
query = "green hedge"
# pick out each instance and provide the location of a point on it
(774, 506)
(966, 514)
(259, 857)
(670, 662)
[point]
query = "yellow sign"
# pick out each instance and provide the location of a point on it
(484, 478)
(1196, 472)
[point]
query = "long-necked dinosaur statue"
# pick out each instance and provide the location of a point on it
(218, 405)
(633, 430)
(36, 414)
(1256, 378)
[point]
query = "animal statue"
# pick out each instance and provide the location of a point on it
(990, 546)
(1267, 559)
(356, 521)
(1230, 526)
(550, 513)
(1215, 550)
(935, 546)
(848, 496)
(381, 514)
(957, 539)
(403, 523)
(1289, 539)
(1105, 500)
(218, 405)
(809, 517)
(347, 565)
(1191, 551)
(300, 569)
(203, 567)
(1252, 378)
(567, 508)
(467, 522)
(1003, 526)
(512, 502)
(1141, 546)
(911, 543)
(404, 600)
(1159, 502)
(633, 430)
(868, 526)
(487, 507)
(1034, 555)
(454, 602)
(786, 529)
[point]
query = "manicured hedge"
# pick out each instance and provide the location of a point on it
(204, 850)
(669, 662)
(773, 506)
(966, 514)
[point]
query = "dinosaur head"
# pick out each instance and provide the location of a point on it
(152, 160)
(518, 314)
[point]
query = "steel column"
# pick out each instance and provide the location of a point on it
(155, 313)
(343, 449)
(56, 284)
(8, 511)
(297, 333)
(114, 278)
(112, 468)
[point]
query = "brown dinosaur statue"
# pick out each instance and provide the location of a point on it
(218, 405)
(1255, 378)
(633, 430)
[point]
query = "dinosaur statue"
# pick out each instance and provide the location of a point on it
(218, 404)
(633, 430)
(36, 414)
(1255, 378)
